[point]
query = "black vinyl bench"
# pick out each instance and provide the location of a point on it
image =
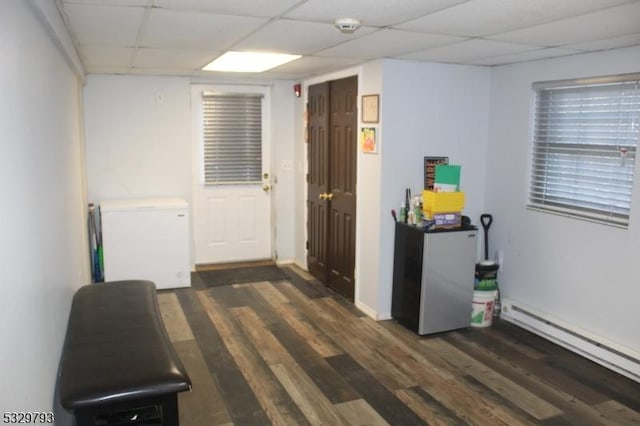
(118, 365)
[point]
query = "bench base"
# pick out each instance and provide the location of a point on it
(160, 410)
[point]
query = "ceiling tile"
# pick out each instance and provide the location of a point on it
(139, 3)
(297, 37)
(206, 77)
(191, 30)
(106, 56)
(148, 57)
(313, 65)
(264, 8)
(108, 70)
(183, 72)
(469, 50)
(610, 43)
(296, 70)
(102, 25)
(482, 17)
(531, 55)
(388, 43)
(369, 12)
(605, 24)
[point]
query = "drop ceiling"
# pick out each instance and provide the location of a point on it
(179, 37)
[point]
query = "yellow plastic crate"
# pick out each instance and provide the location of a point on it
(442, 202)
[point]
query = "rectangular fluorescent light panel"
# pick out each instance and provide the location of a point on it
(248, 61)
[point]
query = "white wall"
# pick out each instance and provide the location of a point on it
(428, 110)
(578, 272)
(283, 101)
(43, 250)
(368, 193)
(138, 137)
(138, 133)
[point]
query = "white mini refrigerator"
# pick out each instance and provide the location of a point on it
(147, 239)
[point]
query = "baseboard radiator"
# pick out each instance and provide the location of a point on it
(609, 354)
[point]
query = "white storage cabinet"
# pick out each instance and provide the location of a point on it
(147, 239)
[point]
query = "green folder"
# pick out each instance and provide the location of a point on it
(448, 174)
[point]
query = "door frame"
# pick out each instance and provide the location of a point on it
(197, 171)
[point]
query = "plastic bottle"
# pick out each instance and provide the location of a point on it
(497, 305)
(417, 210)
(403, 213)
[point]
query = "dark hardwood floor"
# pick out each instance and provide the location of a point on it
(292, 352)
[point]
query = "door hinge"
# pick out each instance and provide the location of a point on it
(307, 244)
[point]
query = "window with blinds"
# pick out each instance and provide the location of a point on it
(232, 136)
(585, 138)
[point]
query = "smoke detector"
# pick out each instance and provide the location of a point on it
(347, 25)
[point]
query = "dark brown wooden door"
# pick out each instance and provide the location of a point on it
(317, 179)
(332, 171)
(343, 148)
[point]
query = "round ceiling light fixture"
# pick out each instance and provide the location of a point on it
(347, 25)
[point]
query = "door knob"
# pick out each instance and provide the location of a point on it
(266, 187)
(325, 196)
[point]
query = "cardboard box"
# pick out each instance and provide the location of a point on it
(447, 220)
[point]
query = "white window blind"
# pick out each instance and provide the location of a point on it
(585, 138)
(232, 133)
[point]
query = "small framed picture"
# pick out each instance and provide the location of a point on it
(368, 141)
(370, 108)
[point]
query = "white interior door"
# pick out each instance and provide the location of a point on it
(231, 222)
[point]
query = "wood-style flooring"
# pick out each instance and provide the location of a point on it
(294, 353)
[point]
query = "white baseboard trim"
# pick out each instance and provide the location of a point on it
(598, 349)
(366, 309)
(284, 262)
(383, 317)
(372, 312)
